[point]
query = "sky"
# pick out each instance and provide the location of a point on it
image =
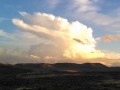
(52, 31)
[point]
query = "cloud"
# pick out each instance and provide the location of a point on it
(29, 38)
(2, 19)
(17, 55)
(90, 11)
(84, 5)
(21, 37)
(109, 38)
(53, 3)
(111, 55)
(62, 33)
(60, 41)
(83, 42)
(33, 56)
(116, 64)
(44, 50)
(13, 56)
(6, 35)
(1, 50)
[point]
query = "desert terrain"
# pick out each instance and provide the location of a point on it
(59, 76)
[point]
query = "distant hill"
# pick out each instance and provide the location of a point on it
(93, 65)
(68, 67)
(10, 69)
(62, 66)
(4, 65)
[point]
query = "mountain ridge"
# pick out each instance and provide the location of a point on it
(38, 67)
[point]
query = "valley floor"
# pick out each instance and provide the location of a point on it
(61, 81)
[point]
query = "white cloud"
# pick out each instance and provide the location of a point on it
(17, 55)
(21, 37)
(84, 5)
(61, 41)
(2, 19)
(6, 35)
(36, 57)
(52, 3)
(62, 34)
(90, 11)
(111, 55)
(73, 41)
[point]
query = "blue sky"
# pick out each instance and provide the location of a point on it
(103, 16)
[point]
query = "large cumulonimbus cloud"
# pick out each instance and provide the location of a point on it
(72, 40)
